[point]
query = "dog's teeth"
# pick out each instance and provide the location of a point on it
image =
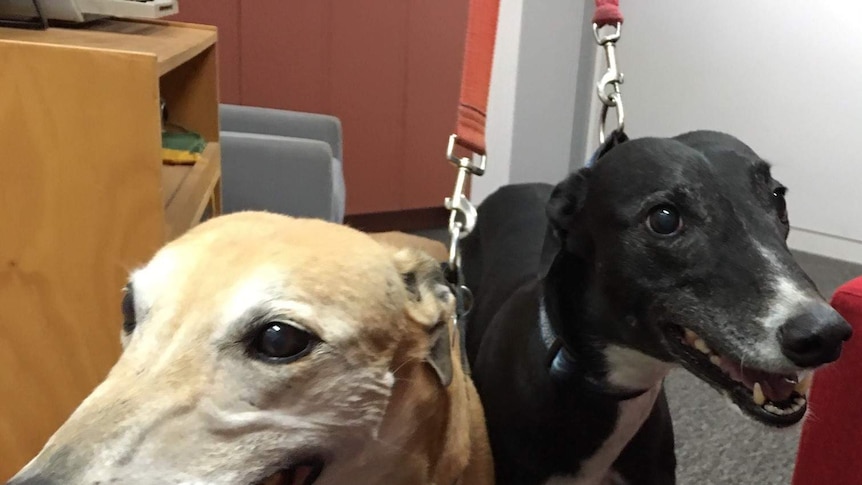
(772, 409)
(700, 345)
(804, 384)
(783, 411)
(800, 400)
(690, 337)
(716, 360)
(757, 394)
(797, 405)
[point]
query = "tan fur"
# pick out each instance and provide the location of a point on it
(186, 404)
(435, 249)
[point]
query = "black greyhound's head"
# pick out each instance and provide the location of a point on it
(679, 246)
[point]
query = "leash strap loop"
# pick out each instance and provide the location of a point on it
(476, 74)
(607, 13)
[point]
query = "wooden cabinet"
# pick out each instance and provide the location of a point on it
(85, 198)
(389, 69)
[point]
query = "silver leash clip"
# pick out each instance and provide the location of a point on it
(608, 87)
(463, 215)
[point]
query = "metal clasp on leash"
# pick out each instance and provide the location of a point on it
(608, 87)
(463, 215)
(462, 221)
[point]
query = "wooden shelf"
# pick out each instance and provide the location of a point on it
(86, 198)
(187, 189)
(171, 43)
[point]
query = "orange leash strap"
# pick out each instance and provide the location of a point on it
(476, 74)
(470, 135)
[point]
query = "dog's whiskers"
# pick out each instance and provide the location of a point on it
(401, 365)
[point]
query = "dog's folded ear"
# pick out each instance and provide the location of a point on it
(566, 201)
(431, 304)
(614, 139)
(567, 198)
(440, 352)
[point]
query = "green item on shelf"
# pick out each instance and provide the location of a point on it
(184, 147)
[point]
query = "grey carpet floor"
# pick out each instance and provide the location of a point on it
(715, 444)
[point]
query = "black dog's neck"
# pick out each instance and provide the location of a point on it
(581, 327)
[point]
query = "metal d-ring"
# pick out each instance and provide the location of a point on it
(621, 117)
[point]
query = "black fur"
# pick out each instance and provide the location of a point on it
(604, 278)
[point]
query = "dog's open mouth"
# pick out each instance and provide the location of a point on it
(774, 399)
(302, 474)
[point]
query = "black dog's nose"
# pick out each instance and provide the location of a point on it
(814, 337)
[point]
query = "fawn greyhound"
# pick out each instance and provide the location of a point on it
(263, 349)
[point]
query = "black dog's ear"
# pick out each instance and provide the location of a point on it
(568, 196)
(567, 199)
(616, 137)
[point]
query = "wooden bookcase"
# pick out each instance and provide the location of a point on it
(85, 198)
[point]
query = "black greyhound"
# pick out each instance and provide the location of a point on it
(665, 252)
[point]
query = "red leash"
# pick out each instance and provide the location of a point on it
(470, 123)
(476, 74)
(473, 105)
(478, 59)
(607, 13)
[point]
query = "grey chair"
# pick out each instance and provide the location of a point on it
(282, 161)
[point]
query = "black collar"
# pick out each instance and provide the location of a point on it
(564, 370)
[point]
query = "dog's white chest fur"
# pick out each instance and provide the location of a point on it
(596, 470)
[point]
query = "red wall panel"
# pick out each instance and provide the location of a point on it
(388, 69)
(370, 41)
(286, 54)
(225, 15)
(437, 35)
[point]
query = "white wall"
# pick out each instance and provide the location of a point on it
(501, 101)
(547, 89)
(539, 64)
(785, 76)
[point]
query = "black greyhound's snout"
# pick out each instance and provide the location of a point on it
(815, 337)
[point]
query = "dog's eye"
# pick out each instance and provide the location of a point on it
(664, 220)
(282, 343)
(129, 318)
(781, 203)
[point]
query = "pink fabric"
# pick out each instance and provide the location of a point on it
(607, 13)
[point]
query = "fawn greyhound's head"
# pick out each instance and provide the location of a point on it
(263, 349)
